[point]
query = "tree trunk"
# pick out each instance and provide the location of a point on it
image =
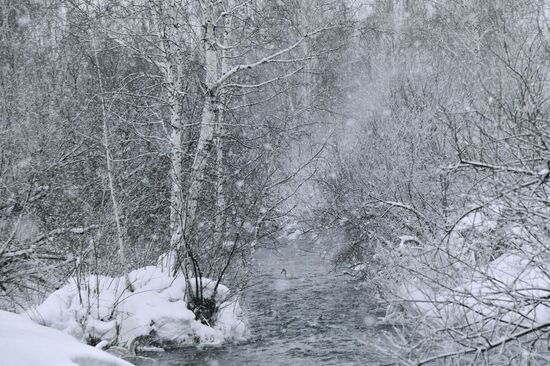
(220, 190)
(172, 73)
(176, 157)
(207, 127)
(110, 174)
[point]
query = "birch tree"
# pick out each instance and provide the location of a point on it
(110, 171)
(173, 126)
(227, 36)
(169, 21)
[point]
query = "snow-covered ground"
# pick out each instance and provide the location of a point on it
(25, 343)
(100, 308)
(510, 289)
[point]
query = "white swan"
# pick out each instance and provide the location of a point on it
(288, 276)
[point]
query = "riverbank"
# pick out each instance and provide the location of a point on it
(100, 309)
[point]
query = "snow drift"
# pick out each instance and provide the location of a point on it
(24, 343)
(100, 308)
(511, 289)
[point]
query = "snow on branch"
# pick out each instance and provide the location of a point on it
(487, 348)
(60, 231)
(477, 164)
(264, 83)
(268, 59)
(419, 214)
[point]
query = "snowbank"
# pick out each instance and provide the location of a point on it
(460, 287)
(512, 289)
(25, 343)
(99, 308)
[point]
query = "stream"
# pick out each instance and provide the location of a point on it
(314, 316)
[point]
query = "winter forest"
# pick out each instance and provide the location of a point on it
(274, 182)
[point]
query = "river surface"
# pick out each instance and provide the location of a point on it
(315, 316)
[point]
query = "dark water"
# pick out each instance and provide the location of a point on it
(313, 317)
